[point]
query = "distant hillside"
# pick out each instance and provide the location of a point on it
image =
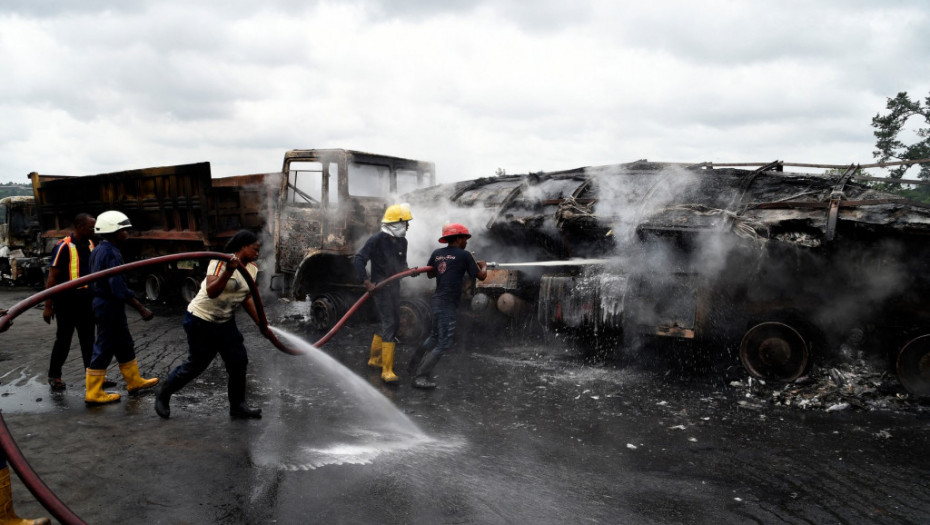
(9, 189)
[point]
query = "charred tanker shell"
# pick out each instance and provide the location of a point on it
(780, 266)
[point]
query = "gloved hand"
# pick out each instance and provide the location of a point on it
(414, 274)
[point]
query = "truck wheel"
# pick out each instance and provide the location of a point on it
(155, 287)
(189, 288)
(913, 366)
(415, 320)
(774, 351)
(326, 310)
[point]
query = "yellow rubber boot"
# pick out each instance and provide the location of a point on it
(95, 393)
(387, 363)
(134, 381)
(375, 360)
(7, 516)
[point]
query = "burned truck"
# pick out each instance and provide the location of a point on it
(20, 247)
(313, 214)
(779, 268)
(330, 201)
(172, 209)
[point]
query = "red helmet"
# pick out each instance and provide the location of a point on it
(453, 230)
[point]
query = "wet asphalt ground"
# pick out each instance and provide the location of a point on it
(517, 432)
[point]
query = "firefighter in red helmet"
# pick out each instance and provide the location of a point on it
(450, 264)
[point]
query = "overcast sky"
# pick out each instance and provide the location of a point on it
(94, 86)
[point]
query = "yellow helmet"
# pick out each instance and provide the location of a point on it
(397, 213)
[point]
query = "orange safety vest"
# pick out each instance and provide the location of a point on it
(74, 261)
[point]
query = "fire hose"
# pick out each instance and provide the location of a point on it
(18, 462)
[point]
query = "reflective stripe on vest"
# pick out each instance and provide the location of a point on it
(74, 266)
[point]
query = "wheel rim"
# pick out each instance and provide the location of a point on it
(323, 312)
(154, 287)
(189, 288)
(913, 366)
(774, 351)
(415, 319)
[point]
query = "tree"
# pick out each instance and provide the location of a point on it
(889, 126)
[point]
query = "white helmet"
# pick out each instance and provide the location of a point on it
(111, 222)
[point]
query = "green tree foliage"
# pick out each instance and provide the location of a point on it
(9, 190)
(888, 127)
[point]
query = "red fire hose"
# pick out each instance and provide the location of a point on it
(17, 461)
(351, 311)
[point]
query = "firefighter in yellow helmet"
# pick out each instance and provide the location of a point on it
(387, 251)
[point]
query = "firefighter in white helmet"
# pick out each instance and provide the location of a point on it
(111, 296)
(387, 251)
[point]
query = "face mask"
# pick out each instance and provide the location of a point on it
(395, 229)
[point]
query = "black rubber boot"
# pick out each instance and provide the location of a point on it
(242, 411)
(162, 398)
(427, 364)
(415, 359)
(423, 382)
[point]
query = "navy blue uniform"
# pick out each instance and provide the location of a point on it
(450, 264)
(110, 297)
(388, 256)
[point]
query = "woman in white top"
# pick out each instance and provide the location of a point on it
(210, 324)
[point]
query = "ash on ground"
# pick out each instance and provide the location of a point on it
(843, 386)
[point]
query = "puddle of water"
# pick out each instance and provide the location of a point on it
(24, 394)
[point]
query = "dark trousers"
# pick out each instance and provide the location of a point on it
(442, 337)
(113, 337)
(204, 341)
(387, 302)
(73, 311)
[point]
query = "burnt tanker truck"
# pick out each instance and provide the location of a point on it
(779, 268)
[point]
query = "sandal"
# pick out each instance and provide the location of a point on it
(56, 383)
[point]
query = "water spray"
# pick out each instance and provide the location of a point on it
(20, 465)
(570, 262)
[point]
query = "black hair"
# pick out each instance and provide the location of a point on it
(82, 218)
(240, 239)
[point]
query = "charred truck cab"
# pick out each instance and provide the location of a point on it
(330, 201)
(21, 259)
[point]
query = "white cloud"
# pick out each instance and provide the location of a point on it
(471, 85)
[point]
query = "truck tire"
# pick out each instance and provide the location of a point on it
(155, 287)
(190, 285)
(774, 351)
(416, 321)
(913, 366)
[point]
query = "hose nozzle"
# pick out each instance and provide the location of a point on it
(491, 264)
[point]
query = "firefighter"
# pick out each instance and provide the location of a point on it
(450, 264)
(71, 309)
(387, 251)
(210, 323)
(111, 295)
